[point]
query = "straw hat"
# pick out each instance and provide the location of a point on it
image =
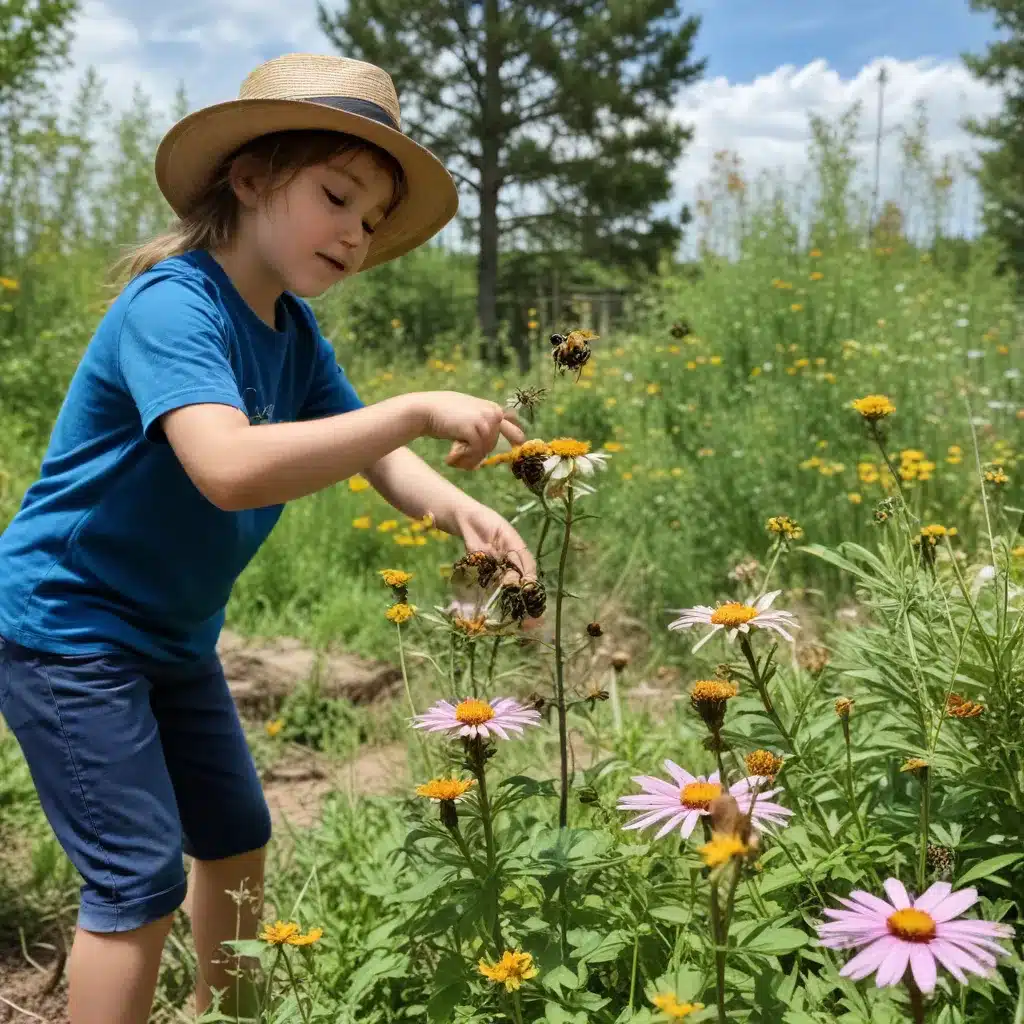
(303, 90)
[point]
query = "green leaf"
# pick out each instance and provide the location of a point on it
(425, 887)
(444, 1001)
(776, 941)
(989, 867)
(561, 977)
(672, 913)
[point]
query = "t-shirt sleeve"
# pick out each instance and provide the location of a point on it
(330, 391)
(173, 351)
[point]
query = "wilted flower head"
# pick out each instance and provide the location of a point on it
(873, 407)
(844, 705)
(736, 617)
(920, 934)
(914, 765)
(526, 398)
(477, 719)
(745, 571)
(522, 598)
(961, 707)
(784, 528)
(479, 565)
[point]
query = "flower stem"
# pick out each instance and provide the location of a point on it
(563, 738)
(717, 933)
(922, 859)
(517, 1008)
(632, 973)
(916, 1001)
(408, 697)
(851, 792)
(492, 663)
(480, 772)
(295, 989)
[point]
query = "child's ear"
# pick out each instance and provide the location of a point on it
(248, 180)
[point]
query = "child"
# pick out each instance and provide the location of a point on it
(206, 399)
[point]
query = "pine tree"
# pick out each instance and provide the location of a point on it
(554, 114)
(1002, 64)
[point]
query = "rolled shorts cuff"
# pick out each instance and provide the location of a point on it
(126, 917)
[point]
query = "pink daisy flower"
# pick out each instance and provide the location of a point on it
(919, 933)
(688, 797)
(736, 617)
(477, 718)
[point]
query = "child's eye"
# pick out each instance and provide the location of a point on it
(367, 228)
(333, 198)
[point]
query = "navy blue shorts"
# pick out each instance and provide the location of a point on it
(135, 764)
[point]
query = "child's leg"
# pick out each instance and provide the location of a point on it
(226, 823)
(91, 742)
(217, 917)
(112, 976)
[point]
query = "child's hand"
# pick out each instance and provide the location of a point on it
(472, 423)
(483, 529)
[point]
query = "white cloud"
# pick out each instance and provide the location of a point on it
(766, 123)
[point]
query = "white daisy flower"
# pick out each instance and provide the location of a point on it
(736, 617)
(572, 458)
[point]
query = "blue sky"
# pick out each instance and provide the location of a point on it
(771, 63)
(746, 38)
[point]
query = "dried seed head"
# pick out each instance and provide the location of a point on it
(914, 765)
(480, 563)
(511, 601)
(620, 660)
(594, 629)
(844, 706)
(680, 329)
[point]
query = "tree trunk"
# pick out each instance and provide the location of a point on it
(487, 262)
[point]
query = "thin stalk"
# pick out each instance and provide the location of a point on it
(632, 973)
(563, 738)
(408, 695)
(517, 1008)
(850, 791)
(613, 694)
(295, 989)
(472, 670)
(771, 568)
(922, 859)
(916, 1001)
(492, 663)
(265, 1003)
(716, 931)
(485, 818)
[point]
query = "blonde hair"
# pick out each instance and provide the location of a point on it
(213, 219)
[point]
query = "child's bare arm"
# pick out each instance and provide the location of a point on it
(238, 466)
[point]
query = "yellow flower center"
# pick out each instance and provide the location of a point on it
(698, 795)
(444, 789)
(473, 712)
(732, 614)
(712, 690)
(568, 448)
(912, 925)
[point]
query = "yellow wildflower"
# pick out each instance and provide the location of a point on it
(671, 1007)
(396, 577)
(362, 523)
(388, 525)
(511, 970)
(874, 407)
(721, 849)
(274, 727)
(400, 612)
(445, 789)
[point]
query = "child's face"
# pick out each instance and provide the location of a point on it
(317, 228)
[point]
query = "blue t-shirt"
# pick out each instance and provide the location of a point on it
(114, 547)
